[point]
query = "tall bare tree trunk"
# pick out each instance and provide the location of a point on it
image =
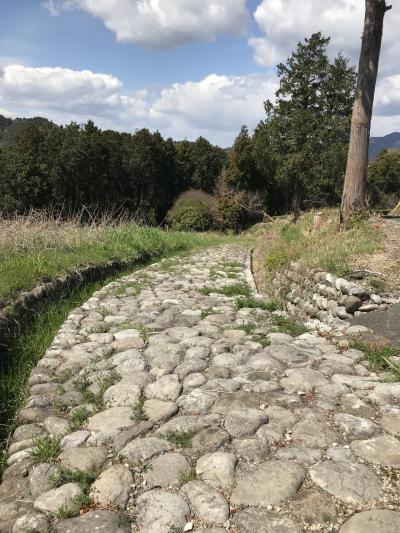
(354, 191)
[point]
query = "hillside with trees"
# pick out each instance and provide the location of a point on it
(294, 160)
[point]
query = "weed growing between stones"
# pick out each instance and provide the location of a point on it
(96, 398)
(138, 412)
(237, 289)
(287, 325)
(73, 508)
(83, 478)
(215, 274)
(64, 375)
(185, 477)
(143, 330)
(262, 339)
(248, 328)
(101, 328)
(45, 449)
(182, 439)
(144, 466)
(168, 265)
(253, 303)
(78, 417)
(206, 312)
(379, 357)
(133, 289)
(104, 311)
(175, 529)
(233, 264)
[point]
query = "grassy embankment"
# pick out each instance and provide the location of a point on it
(329, 247)
(372, 245)
(37, 248)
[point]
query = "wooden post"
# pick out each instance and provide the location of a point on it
(354, 191)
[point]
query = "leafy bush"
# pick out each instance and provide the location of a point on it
(191, 215)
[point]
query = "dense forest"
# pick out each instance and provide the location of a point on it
(295, 159)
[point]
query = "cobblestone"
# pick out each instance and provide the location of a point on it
(187, 414)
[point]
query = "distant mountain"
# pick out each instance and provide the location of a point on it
(377, 144)
(10, 129)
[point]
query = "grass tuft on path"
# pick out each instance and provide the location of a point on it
(380, 357)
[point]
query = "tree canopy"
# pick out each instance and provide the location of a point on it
(44, 165)
(303, 140)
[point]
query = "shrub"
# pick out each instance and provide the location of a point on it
(191, 215)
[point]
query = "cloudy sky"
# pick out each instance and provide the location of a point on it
(184, 67)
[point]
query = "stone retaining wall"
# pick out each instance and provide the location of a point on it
(321, 296)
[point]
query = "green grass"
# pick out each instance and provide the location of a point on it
(63, 475)
(248, 328)
(36, 248)
(328, 248)
(287, 325)
(78, 417)
(379, 357)
(64, 375)
(184, 478)
(181, 439)
(138, 412)
(254, 303)
(236, 289)
(45, 449)
(71, 509)
(96, 398)
(175, 529)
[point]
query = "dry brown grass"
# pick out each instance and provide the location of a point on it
(327, 247)
(39, 230)
(384, 263)
(39, 247)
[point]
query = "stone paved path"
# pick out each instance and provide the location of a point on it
(176, 411)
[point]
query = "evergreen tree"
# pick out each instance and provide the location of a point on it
(241, 171)
(384, 180)
(308, 126)
(200, 163)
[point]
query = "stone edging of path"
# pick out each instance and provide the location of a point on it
(188, 413)
(30, 301)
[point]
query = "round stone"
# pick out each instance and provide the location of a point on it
(384, 521)
(353, 483)
(269, 484)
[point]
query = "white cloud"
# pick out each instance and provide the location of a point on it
(217, 105)
(214, 107)
(387, 98)
(286, 22)
(283, 23)
(163, 23)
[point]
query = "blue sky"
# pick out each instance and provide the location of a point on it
(79, 41)
(176, 66)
